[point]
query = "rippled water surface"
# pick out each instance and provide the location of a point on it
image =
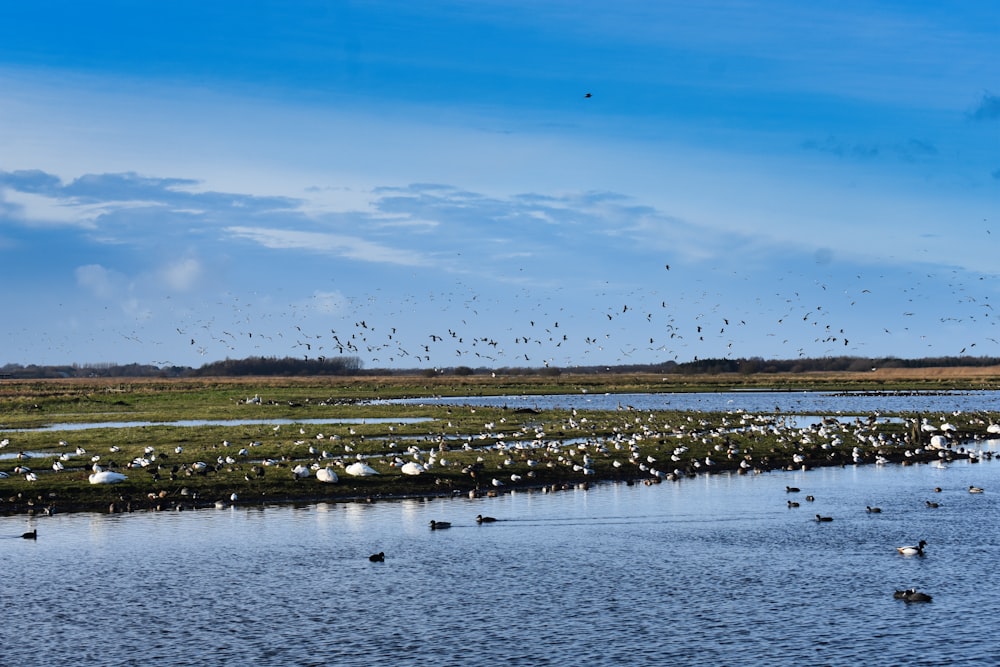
(801, 402)
(715, 570)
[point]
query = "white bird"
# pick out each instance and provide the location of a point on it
(107, 477)
(300, 471)
(411, 468)
(360, 469)
(327, 475)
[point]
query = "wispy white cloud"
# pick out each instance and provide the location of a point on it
(182, 275)
(99, 281)
(339, 245)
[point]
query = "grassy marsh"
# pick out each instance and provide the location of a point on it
(464, 449)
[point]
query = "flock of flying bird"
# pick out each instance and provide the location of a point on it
(646, 326)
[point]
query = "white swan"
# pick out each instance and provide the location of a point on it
(359, 469)
(107, 477)
(327, 475)
(411, 468)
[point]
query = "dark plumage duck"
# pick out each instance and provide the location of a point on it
(439, 525)
(912, 595)
(932, 504)
(484, 519)
(873, 510)
(32, 535)
(792, 489)
(824, 518)
(377, 558)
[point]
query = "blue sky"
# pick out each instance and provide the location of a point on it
(426, 184)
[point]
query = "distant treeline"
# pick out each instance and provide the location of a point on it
(298, 366)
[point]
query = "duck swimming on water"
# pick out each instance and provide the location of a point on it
(824, 518)
(31, 535)
(913, 550)
(484, 519)
(438, 525)
(377, 558)
(911, 595)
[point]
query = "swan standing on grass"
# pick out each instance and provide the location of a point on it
(106, 477)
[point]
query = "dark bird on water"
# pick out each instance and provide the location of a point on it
(824, 518)
(438, 525)
(911, 595)
(377, 558)
(484, 519)
(33, 535)
(588, 95)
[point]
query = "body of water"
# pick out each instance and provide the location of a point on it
(802, 402)
(715, 570)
